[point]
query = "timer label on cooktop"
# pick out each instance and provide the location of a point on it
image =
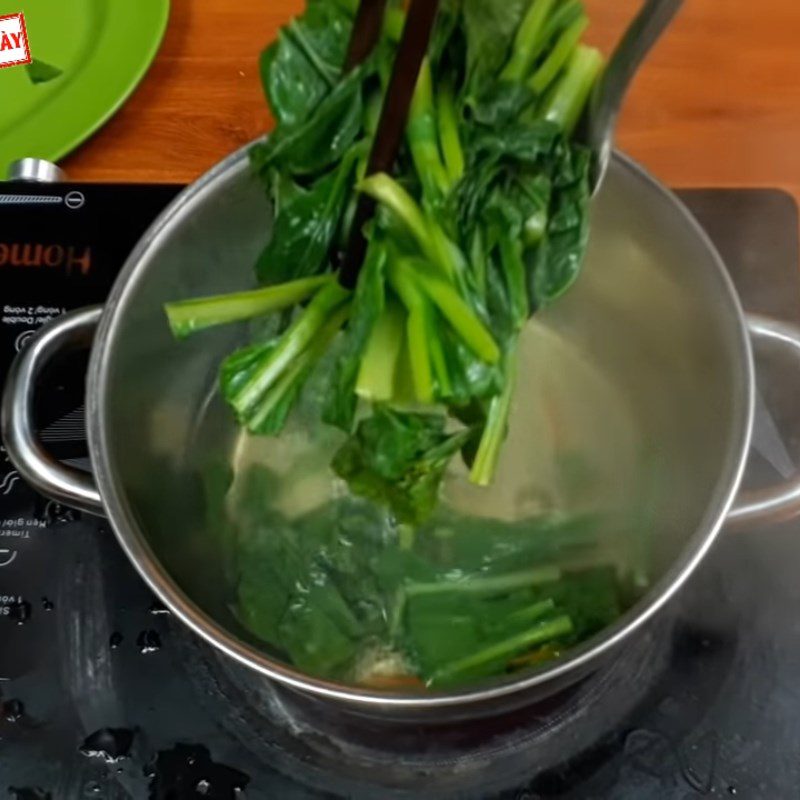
(61, 248)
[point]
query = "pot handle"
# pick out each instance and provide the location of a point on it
(779, 503)
(40, 469)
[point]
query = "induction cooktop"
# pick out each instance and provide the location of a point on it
(104, 695)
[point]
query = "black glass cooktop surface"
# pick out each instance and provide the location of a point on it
(104, 695)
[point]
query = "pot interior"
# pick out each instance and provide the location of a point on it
(633, 400)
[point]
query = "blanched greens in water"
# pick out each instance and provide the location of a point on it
(455, 602)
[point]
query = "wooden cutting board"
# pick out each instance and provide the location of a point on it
(717, 105)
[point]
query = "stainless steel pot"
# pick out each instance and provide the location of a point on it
(655, 311)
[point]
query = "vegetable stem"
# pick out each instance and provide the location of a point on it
(562, 17)
(459, 314)
(516, 278)
(420, 356)
(559, 55)
(376, 377)
(416, 331)
(528, 42)
(391, 194)
(291, 346)
(423, 140)
(393, 23)
(507, 649)
(189, 316)
(568, 98)
(499, 584)
(431, 239)
(525, 616)
(300, 369)
(496, 430)
(438, 357)
(448, 133)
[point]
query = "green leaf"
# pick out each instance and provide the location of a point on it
(268, 559)
(306, 226)
(318, 142)
(399, 460)
(318, 630)
(560, 258)
(489, 27)
(525, 184)
(493, 547)
(304, 63)
(591, 597)
(305, 586)
(502, 103)
(499, 160)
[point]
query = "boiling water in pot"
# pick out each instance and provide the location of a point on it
(629, 409)
(574, 451)
(573, 445)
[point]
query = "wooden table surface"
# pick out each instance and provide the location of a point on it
(718, 104)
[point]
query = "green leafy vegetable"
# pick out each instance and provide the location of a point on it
(323, 587)
(306, 224)
(398, 460)
(369, 302)
(486, 221)
(304, 64)
(483, 220)
(489, 29)
(261, 382)
(191, 316)
(320, 140)
(490, 659)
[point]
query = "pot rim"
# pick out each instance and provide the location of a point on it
(572, 663)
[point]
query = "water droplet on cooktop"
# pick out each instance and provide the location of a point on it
(47, 605)
(733, 790)
(192, 767)
(93, 788)
(20, 612)
(116, 640)
(110, 744)
(148, 642)
(159, 609)
(29, 794)
(56, 514)
(13, 710)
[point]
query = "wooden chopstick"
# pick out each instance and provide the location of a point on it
(391, 128)
(366, 32)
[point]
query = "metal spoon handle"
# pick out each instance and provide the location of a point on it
(608, 96)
